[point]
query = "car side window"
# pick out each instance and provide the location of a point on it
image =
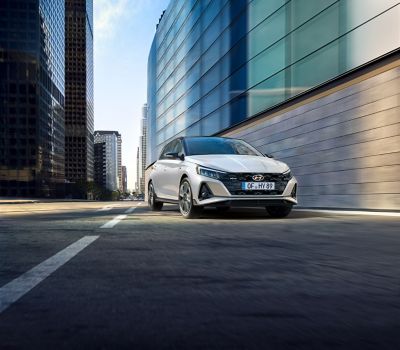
(164, 152)
(177, 148)
(174, 146)
(167, 149)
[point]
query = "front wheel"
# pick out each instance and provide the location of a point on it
(152, 199)
(186, 206)
(279, 212)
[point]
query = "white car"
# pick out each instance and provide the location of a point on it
(198, 172)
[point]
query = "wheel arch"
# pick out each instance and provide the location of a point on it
(184, 176)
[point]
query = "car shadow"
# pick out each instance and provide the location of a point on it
(245, 213)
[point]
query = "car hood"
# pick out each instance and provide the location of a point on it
(239, 163)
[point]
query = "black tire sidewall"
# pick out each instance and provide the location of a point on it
(154, 206)
(194, 211)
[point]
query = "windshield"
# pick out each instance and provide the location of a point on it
(218, 145)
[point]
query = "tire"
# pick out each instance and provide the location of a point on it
(279, 212)
(154, 205)
(186, 206)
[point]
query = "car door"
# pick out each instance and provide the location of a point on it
(172, 171)
(158, 174)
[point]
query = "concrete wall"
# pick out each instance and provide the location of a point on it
(343, 147)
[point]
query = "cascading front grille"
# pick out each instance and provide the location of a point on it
(233, 183)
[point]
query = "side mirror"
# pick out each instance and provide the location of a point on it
(174, 155)
(269, 155)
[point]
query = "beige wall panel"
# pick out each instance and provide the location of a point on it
(388, 159)
(350, 97)
(273, 133)
(371, 201)
(344, 148)
(353, 189)
(359, 150)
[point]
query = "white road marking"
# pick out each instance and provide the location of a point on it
(18, 287)
(117, 219)
(106, 208)
(130, 210)
(353, 212)
(114, 221)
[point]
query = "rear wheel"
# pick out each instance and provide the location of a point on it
(186, 206)
(152, 199)
(279, 212)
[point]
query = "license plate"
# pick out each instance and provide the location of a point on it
(253, 186)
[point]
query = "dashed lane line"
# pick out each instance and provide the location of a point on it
(117, 219)
(18, 287)
(131, 210)
(113, 222)
(106, 208)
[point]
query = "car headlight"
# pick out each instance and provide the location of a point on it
(214, 174)
(287, 175)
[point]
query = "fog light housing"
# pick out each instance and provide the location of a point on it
(205, 192)
(294, 191)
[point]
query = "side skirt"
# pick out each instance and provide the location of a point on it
(165, 200)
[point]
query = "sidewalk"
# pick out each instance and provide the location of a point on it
(5, 200)
(16, 200)
(347, 211)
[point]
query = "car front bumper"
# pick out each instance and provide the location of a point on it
(222, 197)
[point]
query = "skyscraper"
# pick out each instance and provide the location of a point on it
(137, 182)
(110, 141)
(79, 90)
(124, 179)
(143, 149)
(119, 158)
(32, 98)
(100, 170)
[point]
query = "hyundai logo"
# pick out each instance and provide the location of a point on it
(258, 177)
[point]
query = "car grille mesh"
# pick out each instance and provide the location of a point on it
(233, 183)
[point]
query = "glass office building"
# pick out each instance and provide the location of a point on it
(313, 82)
(111, 141)
(214, 64)
(79, 114)
(31, 97)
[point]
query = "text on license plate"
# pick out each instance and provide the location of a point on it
(250, 186)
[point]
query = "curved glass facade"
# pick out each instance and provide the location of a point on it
(214, 64)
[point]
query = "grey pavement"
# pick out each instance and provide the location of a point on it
(238, 280)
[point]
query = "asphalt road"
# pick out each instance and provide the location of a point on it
(73, 277)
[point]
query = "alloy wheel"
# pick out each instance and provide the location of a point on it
(151, 195)
(185, 198)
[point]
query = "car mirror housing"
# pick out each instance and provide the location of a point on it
(174, 155)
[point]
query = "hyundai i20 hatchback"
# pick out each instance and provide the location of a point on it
(198, 172)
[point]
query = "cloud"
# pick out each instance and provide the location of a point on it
(109, 13)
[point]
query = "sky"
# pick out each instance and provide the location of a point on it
(123, 33)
